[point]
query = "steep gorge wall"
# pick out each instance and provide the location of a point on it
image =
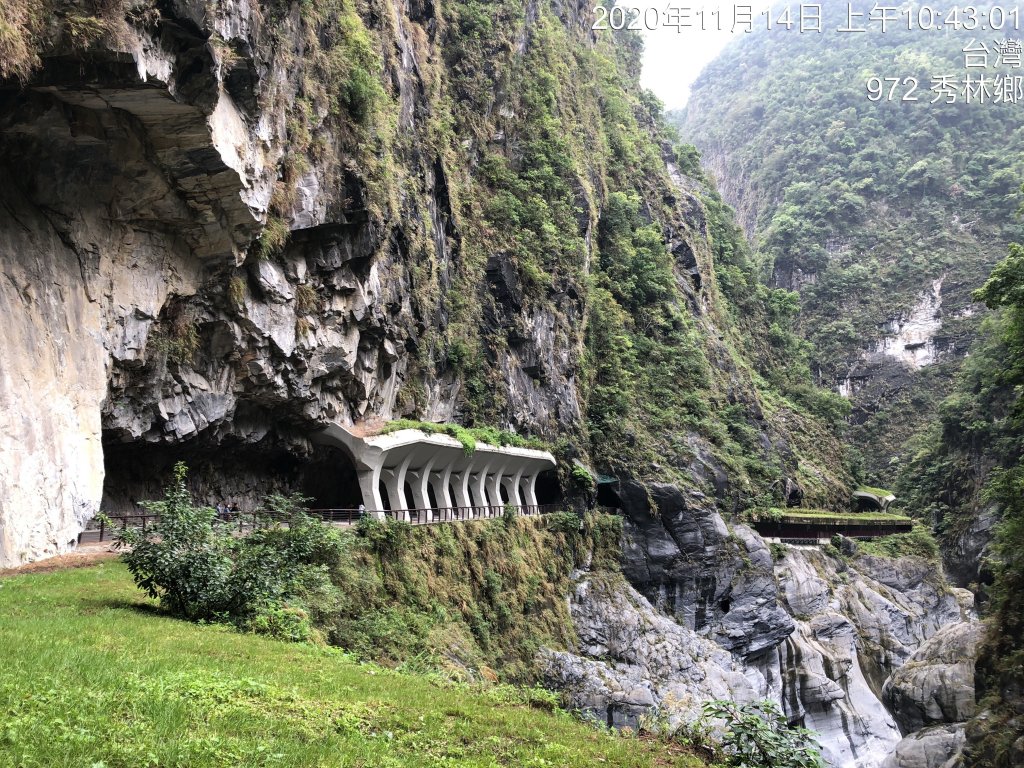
(884, 215)
(250, 225)
(873, 654)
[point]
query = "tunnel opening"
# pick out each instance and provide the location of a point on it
(549, 490)
(329, 480)
(232, 473)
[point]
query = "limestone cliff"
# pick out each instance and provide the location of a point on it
(225, 226)
(873, 654)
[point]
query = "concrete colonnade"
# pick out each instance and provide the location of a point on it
(422, 463)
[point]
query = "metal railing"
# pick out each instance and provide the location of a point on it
(106, 528)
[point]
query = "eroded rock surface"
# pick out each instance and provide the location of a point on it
(934, 747)
(829, 635)
(936, 684)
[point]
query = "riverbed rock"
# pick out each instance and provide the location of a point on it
(934, 747)
(936, 684)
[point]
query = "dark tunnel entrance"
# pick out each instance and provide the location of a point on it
(549, 490)
(233, 473)
(330, 480)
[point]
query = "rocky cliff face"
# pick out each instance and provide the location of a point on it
(871, 653)
(227, 226)
(146, 318)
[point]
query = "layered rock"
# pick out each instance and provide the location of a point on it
(833, 640)
(936, 684)
(680, 554)
(932, 697)
(633, 661)
(934, 747)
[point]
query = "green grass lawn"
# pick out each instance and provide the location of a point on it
(93, 675)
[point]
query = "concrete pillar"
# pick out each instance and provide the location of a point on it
(420, 480)
(460, 482)
(394, 480)
(480, 484)
(531, 490)
(369, 487)
(439, 481)
(511, 483)
(514, 496)
(494, 484)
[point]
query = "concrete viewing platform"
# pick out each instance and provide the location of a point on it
(409, 469)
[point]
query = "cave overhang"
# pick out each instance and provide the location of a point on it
(412, 467)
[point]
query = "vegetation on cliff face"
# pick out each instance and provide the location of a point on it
(970, 463)
(459, 597)
(861, 206)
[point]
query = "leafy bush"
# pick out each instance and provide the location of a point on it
(563, 522)
(581, 477)
(386, 537)
(757, 736)
(919, 542)
(200, 571)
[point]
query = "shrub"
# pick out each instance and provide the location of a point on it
(181, 560)
(386, 537)
(757, 736)
(918, 542)
(563, 522)
(200, 571)
(581, 477)
(272, 238)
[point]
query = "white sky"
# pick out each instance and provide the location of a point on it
(673, 59)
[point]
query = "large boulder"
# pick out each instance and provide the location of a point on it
(936, 684)
(935, 747)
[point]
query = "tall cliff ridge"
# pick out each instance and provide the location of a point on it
(226, 226)
(883, 214)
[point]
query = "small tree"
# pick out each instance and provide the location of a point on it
(182, 560)
(262, 582)
(758, 736)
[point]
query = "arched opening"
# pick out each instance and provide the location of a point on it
(383, 491)
(549, 490)
(330, 481)
(432, 497)
(503, 493)
(409, 498)
(867, 504)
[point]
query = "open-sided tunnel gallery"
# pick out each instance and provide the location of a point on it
(409, 469)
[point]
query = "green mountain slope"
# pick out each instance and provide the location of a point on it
(884, 215)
